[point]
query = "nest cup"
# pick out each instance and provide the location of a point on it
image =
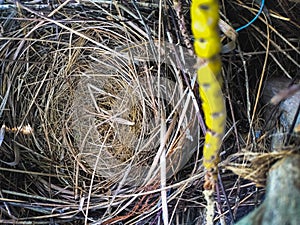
(118, 114)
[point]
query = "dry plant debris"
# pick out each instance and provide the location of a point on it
(49, 49)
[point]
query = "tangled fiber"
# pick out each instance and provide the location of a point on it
(99, 112)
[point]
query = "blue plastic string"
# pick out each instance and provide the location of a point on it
(257, 15)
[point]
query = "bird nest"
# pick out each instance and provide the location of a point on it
(89, 114)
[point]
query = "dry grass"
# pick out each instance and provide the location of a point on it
(115, 124)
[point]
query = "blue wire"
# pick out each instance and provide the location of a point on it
(257, 15)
